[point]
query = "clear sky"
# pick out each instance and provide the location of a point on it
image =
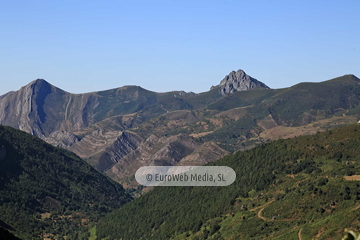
(83, 46)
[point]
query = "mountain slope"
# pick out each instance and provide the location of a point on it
(179, 149)
(242, 119)
(72, 121)
(89, 124)
(247, 118)
(281, 187)
(296, 106)
(47, 191)
(41, 109)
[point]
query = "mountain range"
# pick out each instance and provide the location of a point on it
(114, 130)
(297, 188)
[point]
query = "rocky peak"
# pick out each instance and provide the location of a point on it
(39, 86)
(238, 81)
(26, 109)
(38, 81)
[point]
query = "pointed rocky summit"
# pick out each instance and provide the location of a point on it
(238, 81)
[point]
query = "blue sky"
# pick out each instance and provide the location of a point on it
(84, 46)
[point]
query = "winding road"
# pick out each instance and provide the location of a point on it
(299, 234)
(280, 220)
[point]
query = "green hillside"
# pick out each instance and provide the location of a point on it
(283, 189)
(298, 105)
(237, 120)
(47, 191)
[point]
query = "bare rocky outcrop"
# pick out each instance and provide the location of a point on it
(125, 143)
(62, 139)
(154, 151)
(238, 81)
(180, 149)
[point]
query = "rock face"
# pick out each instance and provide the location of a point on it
(24, 109)
(123, 145)
(179, 149)
(154, 151)
(41, 109)
(238, 81)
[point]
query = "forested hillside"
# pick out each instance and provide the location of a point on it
(282, 188)
(47, 191)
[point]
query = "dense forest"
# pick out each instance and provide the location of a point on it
(50, 192)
